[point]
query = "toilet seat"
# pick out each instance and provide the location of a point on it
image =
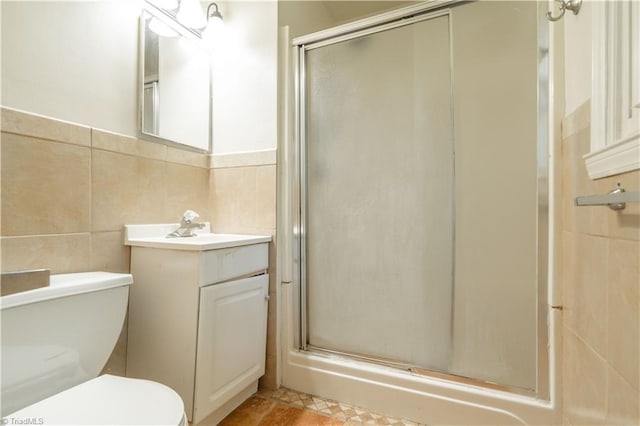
(109, 400)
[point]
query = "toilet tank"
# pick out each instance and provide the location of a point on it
(58, 336)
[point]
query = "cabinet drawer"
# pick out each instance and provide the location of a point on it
(225, 264)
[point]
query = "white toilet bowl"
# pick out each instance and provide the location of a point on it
(107, 400)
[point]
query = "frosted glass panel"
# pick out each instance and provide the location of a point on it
(380, 195)
(496, 286)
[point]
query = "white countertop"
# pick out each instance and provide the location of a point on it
(154, 236)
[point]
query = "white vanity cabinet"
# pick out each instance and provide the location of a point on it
(198, 318)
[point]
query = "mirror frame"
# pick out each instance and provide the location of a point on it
(150, 10)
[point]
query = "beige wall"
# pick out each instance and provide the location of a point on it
(244, 78)
(601, 284)
(600, 264)
(72, 60)
(304, 17)
(67, 191)
(577, 52)
(307, 16)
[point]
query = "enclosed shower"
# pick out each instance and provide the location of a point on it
(419, 184)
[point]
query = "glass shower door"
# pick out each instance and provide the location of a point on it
(379, 176)
(424, 193)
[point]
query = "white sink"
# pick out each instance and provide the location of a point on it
(154, 236)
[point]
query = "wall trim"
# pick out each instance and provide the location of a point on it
(32, 125)
(265, 157)
(614, 159)
(615, 129)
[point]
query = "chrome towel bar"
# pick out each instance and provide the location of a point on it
(615, 200)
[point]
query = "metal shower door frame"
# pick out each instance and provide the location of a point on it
(386, 21)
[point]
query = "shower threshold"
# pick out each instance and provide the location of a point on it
(417, 371)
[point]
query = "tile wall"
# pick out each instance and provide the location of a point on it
(601, 292)
(67, 191)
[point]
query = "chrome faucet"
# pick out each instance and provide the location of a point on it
(187, 225)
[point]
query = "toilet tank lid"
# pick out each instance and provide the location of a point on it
(67, 285)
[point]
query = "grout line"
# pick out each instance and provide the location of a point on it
(63, 234)
(90, 208)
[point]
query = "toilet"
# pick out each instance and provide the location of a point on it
(55, 342)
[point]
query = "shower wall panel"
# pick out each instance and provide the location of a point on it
(495, 297)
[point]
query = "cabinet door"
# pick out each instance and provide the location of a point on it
(232, 334)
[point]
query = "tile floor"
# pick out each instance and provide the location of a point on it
(284, 407)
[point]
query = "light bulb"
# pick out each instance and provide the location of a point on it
(191, 15)
(162, 29)
(214, 29)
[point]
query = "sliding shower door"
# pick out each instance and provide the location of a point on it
(380, 195)
(419, 168)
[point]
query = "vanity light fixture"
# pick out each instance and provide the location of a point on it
(189, 20)
(215, 23)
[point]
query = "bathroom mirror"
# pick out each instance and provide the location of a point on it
(175, 84)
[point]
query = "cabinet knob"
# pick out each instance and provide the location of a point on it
(267, 297)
